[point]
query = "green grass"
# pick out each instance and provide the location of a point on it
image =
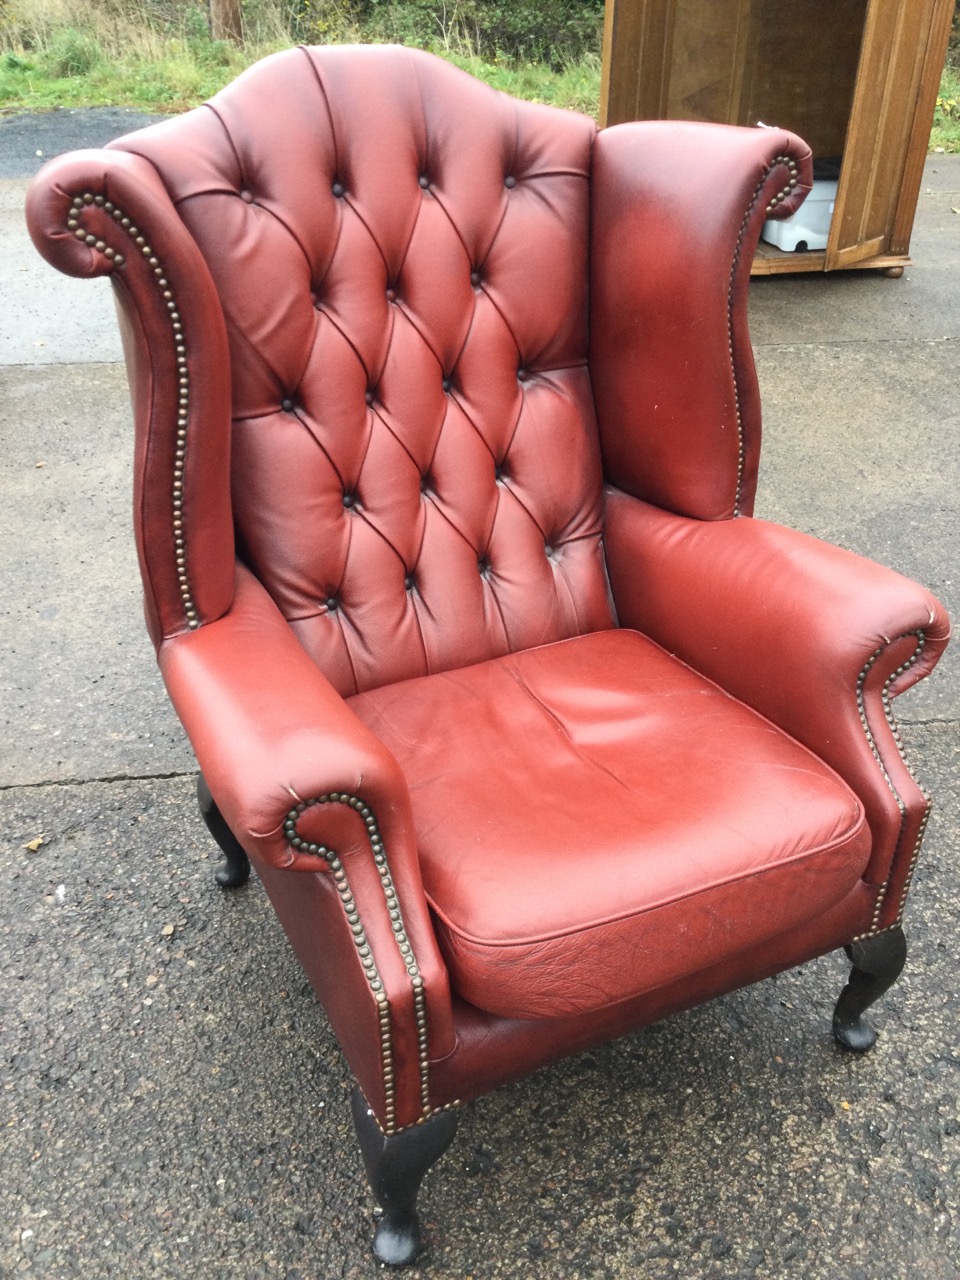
(946, 118)
(176, 81)
(160, 71)
(156, 55)
(170, 81)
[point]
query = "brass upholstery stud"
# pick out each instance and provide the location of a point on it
(741, 442)
(78, 204)
(364, 951)
(895, 731)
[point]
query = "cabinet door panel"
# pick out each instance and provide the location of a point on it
(893, 58)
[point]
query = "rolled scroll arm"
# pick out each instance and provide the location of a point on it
(815, 638)
(306, 788)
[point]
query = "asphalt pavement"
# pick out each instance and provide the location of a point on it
(173, 1102)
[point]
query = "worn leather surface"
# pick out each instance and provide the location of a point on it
(492, 1051)
(678, 209)
(594, 819)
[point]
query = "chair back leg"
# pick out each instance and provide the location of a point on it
(234, 870)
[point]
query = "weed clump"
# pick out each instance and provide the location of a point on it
(71, 53)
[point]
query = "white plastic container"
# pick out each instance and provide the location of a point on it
(809, 227)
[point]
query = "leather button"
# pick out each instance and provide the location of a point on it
(391, 295)
(246, 197)
(483, 566)
(424, 181)
(409, 582)
(369, 397)
(549, 551)
(447, 384)
(522, 375)
(338, 190)
(331, 603)
(475, 278)
(425, 484)
(287, 406)
(509, 180)
(499, 471)
(349, 500)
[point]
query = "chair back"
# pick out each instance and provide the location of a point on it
(401, 255)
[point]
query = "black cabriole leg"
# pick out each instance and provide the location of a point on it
(877, 963)
(234, 870)
(395, 1166)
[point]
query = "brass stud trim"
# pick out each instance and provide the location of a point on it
(898, 741)
(78, 206)
(364, 951)
(777, 199)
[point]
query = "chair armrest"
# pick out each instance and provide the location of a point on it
(270, 732)
(815, 638)
(677, 208)
(286, 759)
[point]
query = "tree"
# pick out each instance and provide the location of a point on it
(226, 22)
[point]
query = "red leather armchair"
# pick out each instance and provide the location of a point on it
(447, 433)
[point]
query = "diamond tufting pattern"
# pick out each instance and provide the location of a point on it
(416, 477)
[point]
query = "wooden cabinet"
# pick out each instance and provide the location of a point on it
(857, 79)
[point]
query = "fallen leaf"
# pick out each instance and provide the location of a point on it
(33, 845)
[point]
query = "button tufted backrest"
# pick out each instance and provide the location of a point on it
(401, 258)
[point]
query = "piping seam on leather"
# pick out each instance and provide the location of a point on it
(78, 205)
(898, 742)
(420, 1120)
(747, 217)
(365, 951)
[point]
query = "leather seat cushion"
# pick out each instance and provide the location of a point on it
(595, 820)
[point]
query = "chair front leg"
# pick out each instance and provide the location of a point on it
(877, 963)
(395, 1165)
